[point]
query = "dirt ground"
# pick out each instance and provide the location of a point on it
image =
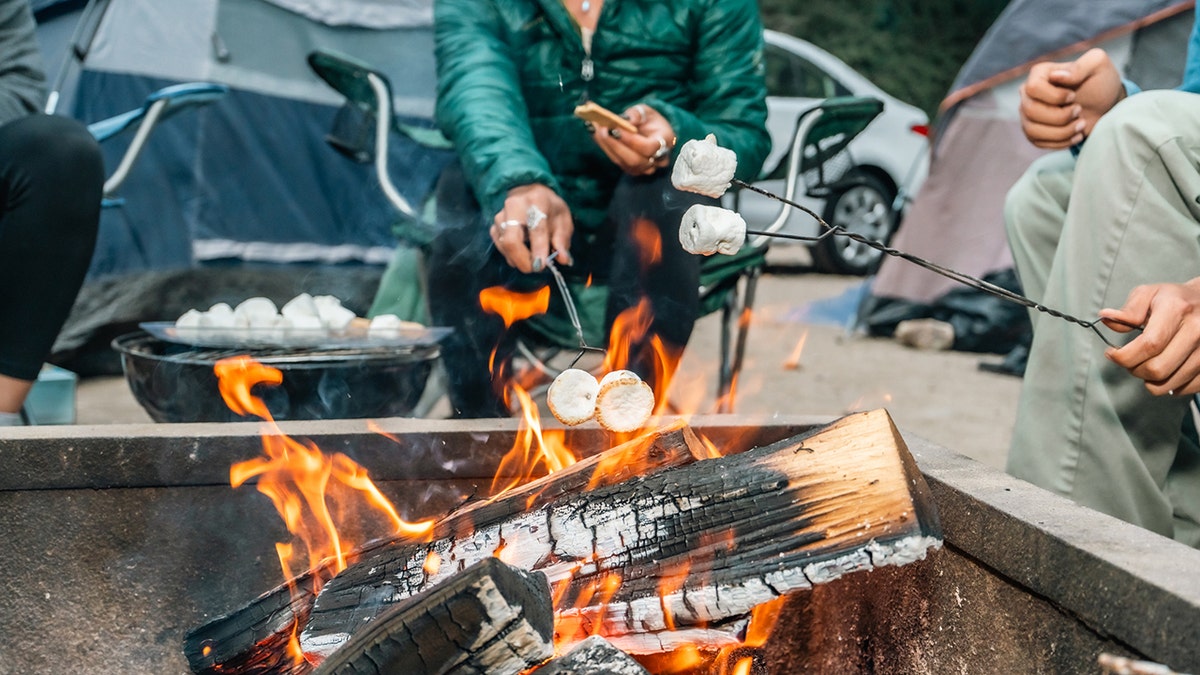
(940, 396)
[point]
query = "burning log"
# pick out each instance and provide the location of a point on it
(593, 656)
(491, 619)
(694, 549)
(254, 638)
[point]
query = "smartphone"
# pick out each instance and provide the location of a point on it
(601, 116)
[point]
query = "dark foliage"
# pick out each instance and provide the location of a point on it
(910, 48)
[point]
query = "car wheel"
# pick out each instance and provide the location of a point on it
(864, 207)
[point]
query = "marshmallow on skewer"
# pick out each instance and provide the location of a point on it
(624, 403)
(704, 167)
(572, 396)
(706, 230)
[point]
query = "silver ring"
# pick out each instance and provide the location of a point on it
(662, 148)
(534, 216)
(510, 223)
(641, 112)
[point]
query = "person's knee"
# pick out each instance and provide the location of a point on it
(1021, 203)
(56, 146)
(1137, 125)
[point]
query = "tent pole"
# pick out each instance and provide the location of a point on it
(81, 44)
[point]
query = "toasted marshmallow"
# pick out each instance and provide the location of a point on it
(191, 321)
(704, 167)
(624, 403)
(572, 396)
(706, 230)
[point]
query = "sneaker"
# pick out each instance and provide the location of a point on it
(927, 334)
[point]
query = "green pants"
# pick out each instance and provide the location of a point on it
(1084, 232)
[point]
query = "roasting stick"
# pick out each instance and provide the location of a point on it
(571, 312)
(965, 279)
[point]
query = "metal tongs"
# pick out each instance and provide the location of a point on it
(572, 313)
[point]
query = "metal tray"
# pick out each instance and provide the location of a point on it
(355, 336)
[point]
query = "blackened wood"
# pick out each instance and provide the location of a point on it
(240, 640)
(490, 619)
(593, 656)
(721, 536)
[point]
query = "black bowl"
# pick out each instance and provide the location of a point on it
(176, 383)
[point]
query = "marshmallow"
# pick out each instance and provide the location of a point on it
(301, 305)
(386, 325)
(572, 396)
(332, 313)
(706, 230)
(704, 167)
(624, 403)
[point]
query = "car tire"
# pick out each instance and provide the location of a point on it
(863, 205)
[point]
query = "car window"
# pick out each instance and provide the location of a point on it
(793, 76)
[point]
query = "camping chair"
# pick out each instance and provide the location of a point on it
(158, 106)
(727, 282)
(818, 164)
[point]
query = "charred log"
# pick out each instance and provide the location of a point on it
(491, 619)
(593, 656)
(253, 639)
(696, 546)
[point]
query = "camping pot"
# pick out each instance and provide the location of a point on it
(176, 383)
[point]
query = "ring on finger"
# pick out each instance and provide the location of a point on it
(504, 225)
(534, 217)
(663, 148)
(641, 111)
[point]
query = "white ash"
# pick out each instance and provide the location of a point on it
(902, 551)
(704, 167)
(706, 230)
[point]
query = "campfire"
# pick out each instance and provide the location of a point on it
(663, 553)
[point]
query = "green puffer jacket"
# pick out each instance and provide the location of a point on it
(510, 73)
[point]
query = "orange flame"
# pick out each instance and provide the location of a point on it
(513, 306)
(793, 359)
(648, 242)
(317, 495)
(533, 448)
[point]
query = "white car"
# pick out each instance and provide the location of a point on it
(888, 160)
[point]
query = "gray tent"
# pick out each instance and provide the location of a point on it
(956, 218)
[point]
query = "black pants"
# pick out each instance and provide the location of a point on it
(463, 261)
(51, 179)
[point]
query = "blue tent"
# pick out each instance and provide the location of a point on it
(248, 182)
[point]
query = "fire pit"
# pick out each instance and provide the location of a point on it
(121, 539)
(176, 383)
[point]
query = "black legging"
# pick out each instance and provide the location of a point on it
(463, 261)
(51, 179)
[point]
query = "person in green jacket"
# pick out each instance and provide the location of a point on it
(534, 181)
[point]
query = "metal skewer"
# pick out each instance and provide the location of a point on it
(965, 279)
(572, 314)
